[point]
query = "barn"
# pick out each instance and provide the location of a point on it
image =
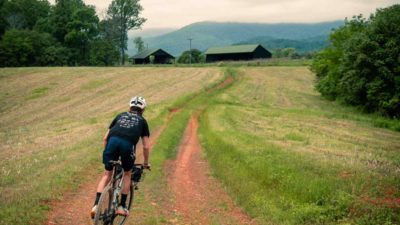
(160, 57)
(237, 52)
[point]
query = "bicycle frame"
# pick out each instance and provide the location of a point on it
(113, 190)
(116, 187)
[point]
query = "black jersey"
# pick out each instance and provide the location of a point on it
(129, 126)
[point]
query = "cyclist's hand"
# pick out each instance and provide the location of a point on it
(147, 166)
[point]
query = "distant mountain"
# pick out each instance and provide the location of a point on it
(302, 45)
(209, 34)
(151, 32)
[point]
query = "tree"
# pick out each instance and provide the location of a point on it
(75, 25)
(103, 53)
(197, 57)
(23, 14)
(62, 16)
(104, 50)
(152, 58)
(81, 30)
(125, 14)
(362, 66)
(139, 44)
(284, 53)
(3, 21)
(326, 63)
(108, 31)
(30, 48)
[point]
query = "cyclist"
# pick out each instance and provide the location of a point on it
(120, 140)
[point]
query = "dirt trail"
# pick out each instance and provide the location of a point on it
(200, 199)
(75, 206)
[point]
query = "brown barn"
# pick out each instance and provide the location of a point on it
(160, 57)
(237, 52)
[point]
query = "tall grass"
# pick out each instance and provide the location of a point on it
(288, 163)
(274, 185)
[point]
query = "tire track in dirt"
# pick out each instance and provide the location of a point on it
(75, 206)
(200, 199)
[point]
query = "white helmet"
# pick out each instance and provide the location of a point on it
(138, 101)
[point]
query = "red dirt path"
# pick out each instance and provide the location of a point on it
(200, 199)
(226, 82)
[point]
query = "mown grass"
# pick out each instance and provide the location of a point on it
(52, 143)
(95, 84)
(37, 179)
(38, 92)
(289, 157)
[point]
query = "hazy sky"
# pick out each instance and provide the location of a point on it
(178, 13)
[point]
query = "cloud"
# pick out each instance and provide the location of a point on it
(178, 13)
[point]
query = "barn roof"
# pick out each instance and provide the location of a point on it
(232, 49)
(146, 53)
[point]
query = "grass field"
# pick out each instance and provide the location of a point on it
(52, 121)
(282, 152)
(291, 157)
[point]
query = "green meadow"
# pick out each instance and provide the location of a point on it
(283, 153)
(290, 157)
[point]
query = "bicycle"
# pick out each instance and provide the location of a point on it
(109, 199)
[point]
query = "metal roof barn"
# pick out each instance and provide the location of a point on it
(160, 57)
(237, 52)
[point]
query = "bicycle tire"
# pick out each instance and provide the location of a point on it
(120, 220)
(104, 209)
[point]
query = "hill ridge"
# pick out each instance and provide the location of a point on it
(207, 34)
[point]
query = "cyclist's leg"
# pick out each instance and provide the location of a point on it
(127, 182)
(127, 157)
(109, 153)
(127, 152)
(104, 180)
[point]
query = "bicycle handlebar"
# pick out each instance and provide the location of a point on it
(148, 167)
(141, 165)
(115, 162)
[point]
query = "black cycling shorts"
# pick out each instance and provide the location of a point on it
(116, 147)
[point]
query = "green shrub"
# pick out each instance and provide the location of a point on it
(361, 67)
(31, 48)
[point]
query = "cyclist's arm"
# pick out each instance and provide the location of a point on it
(146, 150)
(105, 138)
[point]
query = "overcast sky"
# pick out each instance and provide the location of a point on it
(178, 13)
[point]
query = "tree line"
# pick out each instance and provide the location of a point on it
(35, 33)
(361, 67)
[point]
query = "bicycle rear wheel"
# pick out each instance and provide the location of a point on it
(104, 211)
(120, 220)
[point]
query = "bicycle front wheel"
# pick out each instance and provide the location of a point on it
(120, 220)
(104, 213)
